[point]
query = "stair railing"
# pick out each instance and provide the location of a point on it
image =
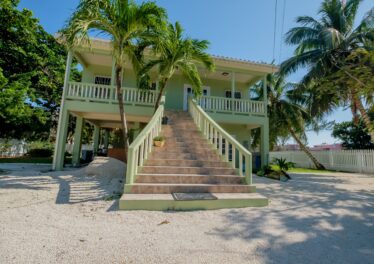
(142, 145)
(240, 158)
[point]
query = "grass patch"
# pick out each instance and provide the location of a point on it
(302, 170)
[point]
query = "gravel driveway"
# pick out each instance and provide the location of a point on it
(62, 217)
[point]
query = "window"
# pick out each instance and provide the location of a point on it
(238, 95)
(104, 80)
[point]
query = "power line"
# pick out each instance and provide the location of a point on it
(275, 28)
(281, 40)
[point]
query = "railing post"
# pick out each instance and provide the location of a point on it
(248, 169)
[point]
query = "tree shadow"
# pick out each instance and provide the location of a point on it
(74, 186)
(311, 219)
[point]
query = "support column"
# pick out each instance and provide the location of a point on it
(96, 136)
(136, 128)
(265, 94)
(77, 141)
(113, 75)
(265, 143)
(106, 139)
(63, 121)
(233, 85)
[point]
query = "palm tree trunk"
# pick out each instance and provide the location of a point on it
(316, 163)
(163, 85)
(122, 110)
(363, 113)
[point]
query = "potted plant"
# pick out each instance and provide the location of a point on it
(159, 141)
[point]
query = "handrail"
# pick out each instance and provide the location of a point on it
(142, 145)
(223, 104)
(222, 141)
(106, 93)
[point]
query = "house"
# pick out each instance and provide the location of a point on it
(222, 118)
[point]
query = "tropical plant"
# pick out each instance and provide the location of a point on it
(126, 23)
(324, 44)
(287, 110)
(173, 53)
(283, 164)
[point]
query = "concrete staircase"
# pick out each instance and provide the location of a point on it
(187, 164)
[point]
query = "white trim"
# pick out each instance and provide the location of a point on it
(185, 95)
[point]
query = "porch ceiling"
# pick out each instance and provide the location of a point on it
(109, 120)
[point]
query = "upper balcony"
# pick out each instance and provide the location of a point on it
(230, 106)
(106, 94)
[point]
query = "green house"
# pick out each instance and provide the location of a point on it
(223, 118)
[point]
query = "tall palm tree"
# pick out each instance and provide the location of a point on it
(324, 43)
(125, 23)
(288, 111)
(177, 53)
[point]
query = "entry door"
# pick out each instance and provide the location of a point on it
(188, 91)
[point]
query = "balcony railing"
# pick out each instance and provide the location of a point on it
(229, 105)
(107, 93)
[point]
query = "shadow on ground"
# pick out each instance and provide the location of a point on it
(319, 215)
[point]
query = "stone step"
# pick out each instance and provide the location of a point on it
(188, 156)
(183, 144)
(185, 163)
(188, 188)
(164, 202)
(188, 170)
(188, 178)
(178, 150)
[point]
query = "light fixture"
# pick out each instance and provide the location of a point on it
(225, 73)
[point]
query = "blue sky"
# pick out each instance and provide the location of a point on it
(236, 28)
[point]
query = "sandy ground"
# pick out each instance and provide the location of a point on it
(50, 217)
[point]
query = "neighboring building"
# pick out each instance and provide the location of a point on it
(325, 146)
(287, 147)
(227, 116)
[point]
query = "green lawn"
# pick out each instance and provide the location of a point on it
(302, 170)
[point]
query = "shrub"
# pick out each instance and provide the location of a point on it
(40, 149)
(283, 164)
(158, 138)
(40, 153)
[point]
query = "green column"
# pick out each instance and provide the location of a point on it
(106, 139)
(60, 145)
(265, 143)
(77, 141)
(63, 121)
(136, 128)
(96, 137)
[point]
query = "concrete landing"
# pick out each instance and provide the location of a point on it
(163, 202)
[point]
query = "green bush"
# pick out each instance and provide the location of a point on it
(39, 149)
(40, 153)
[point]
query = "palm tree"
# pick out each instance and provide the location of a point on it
(125, 22)
(323, 45)
(175, 52)
(288, 112)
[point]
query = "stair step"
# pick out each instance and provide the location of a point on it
(163, 202)
(188, 170)
(188, 178)
(190, 188)
(175, 150)
(188, 156)
(185, 163)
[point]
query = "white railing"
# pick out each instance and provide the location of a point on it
(142, 146)
(341, 160)
(107, 93)
(240, 158)
(222, 104)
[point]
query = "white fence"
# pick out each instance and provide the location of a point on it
(340, 160)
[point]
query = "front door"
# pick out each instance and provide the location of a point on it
(188, 91)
